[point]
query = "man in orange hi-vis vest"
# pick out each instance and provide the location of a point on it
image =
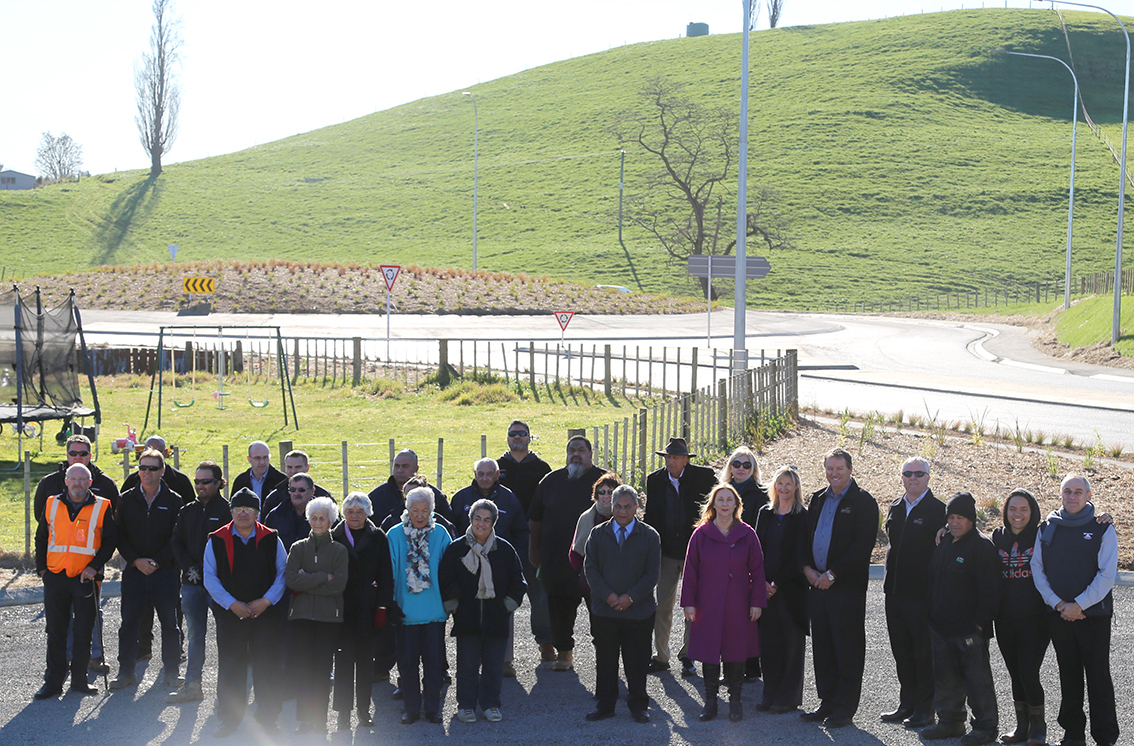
(74, 540)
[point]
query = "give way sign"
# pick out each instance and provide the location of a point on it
(564, 318)
(389, 274)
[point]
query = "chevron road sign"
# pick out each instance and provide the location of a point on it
(199, 285)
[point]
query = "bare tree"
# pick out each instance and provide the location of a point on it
(775, 8)
(155, 82)
(689, 204)
(58, 158)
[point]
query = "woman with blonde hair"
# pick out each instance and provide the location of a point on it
(742, 472)
(723, 593)
(783, 627)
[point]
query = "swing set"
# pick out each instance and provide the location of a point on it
(229, 366)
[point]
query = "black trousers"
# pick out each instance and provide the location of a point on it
(961, 669)
(632, 638)
(312, 656)
(354, 665)
(61, 596)
(1083, 647)
(838, 646)
(562, 611)
(421, 665)
(907, 621)
(242, 643)
(782, 647)
(160, 592)
(1023, 644)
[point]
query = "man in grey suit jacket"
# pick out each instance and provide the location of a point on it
(623, 562)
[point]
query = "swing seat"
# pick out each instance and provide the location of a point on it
(259, 404)
(179, 405)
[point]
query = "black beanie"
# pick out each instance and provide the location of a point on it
(245, 498)
(962, 504)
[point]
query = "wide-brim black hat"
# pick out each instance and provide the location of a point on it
(676, 447)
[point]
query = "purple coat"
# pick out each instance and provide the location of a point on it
(723, 579)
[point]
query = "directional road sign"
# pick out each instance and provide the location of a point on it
(199, 285)
(725, 266)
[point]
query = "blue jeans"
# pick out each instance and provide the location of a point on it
(160, 587)
(480, 671)
(421, 665)
(195, 606)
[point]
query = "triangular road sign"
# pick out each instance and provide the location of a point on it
(389, 274)
(564, 318)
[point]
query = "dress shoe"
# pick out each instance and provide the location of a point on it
(833, 721)
(83, 688)
(47, 691)
(815, 716)
(687, 668)
(99, 666)
(657, 666)
(434, 717)
(172, 680)
(546, 652)
(565, 661)
(599, 713)
(641, 716)
(409, 718)
(447, 679)
(919, 720)
(897, 715)
(226, 730)
(942, 731)
(397, 694)
(509, 670)
(123, 681)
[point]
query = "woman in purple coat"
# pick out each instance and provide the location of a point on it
(723, 593)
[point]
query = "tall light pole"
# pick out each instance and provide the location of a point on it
(1121, 176)
(739, 344)
(476, 160)
(1071, 198)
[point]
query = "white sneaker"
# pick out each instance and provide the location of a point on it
(492, 715)
(467, 716)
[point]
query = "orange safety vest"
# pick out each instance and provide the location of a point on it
(71, 545)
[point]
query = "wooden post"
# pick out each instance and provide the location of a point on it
(357, 377)
(724, 413)
(686, 404)
(693, 374)
(440, 461)
(285, 447)
(642, 446)
(391, 455)
(483, 446)
(224, 465)
(606, 367)
(346, 476)
(531, 365)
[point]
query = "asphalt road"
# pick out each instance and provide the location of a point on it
(539, 706)
(954, 371)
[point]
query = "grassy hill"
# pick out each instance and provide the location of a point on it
(909, 160)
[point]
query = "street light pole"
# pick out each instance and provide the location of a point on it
(475, 169)
(739, 335)
(1122, 175)
(1071, 198)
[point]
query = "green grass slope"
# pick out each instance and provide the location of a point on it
(909, 160)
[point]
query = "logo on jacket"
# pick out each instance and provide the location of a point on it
(1087, 536)
(1017, 564)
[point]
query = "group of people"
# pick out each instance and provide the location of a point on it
(299, 587)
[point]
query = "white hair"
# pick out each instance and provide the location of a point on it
(420, 494)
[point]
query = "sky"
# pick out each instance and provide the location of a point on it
(248, 77)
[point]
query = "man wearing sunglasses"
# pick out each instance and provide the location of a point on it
(911, 526)
(145, 519)
(79, 452)
(176, 480)
(289, 520)
(197, 520)
(295, 462)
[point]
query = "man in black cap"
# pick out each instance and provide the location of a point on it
(244, 575)
(965, 584)
(673, 499)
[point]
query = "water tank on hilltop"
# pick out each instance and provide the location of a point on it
(697, 29)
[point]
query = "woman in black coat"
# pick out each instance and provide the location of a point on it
(369, 592)
(482, 583)
(742, 472)
(783, 625)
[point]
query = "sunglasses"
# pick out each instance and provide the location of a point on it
(918, 474)
(203, 481)
(293, 490)
(77, 454)
(604, 492)
(742, 464)
(144, 467)
(517, 434)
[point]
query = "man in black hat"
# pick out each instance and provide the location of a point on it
(965, 584)
(673, 499)
(244, 575)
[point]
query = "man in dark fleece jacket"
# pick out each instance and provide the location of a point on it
(965, 585)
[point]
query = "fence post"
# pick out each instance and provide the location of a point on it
(642, 445)
(531, 365)
(443, 355)
(357, 378)
(724, 413)
(295, 362)
(391, 455)
(224, 464)
(686, 402)
(285, 447)
(606, 366)
(346, 476)
(440, 460)
(483, 446)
